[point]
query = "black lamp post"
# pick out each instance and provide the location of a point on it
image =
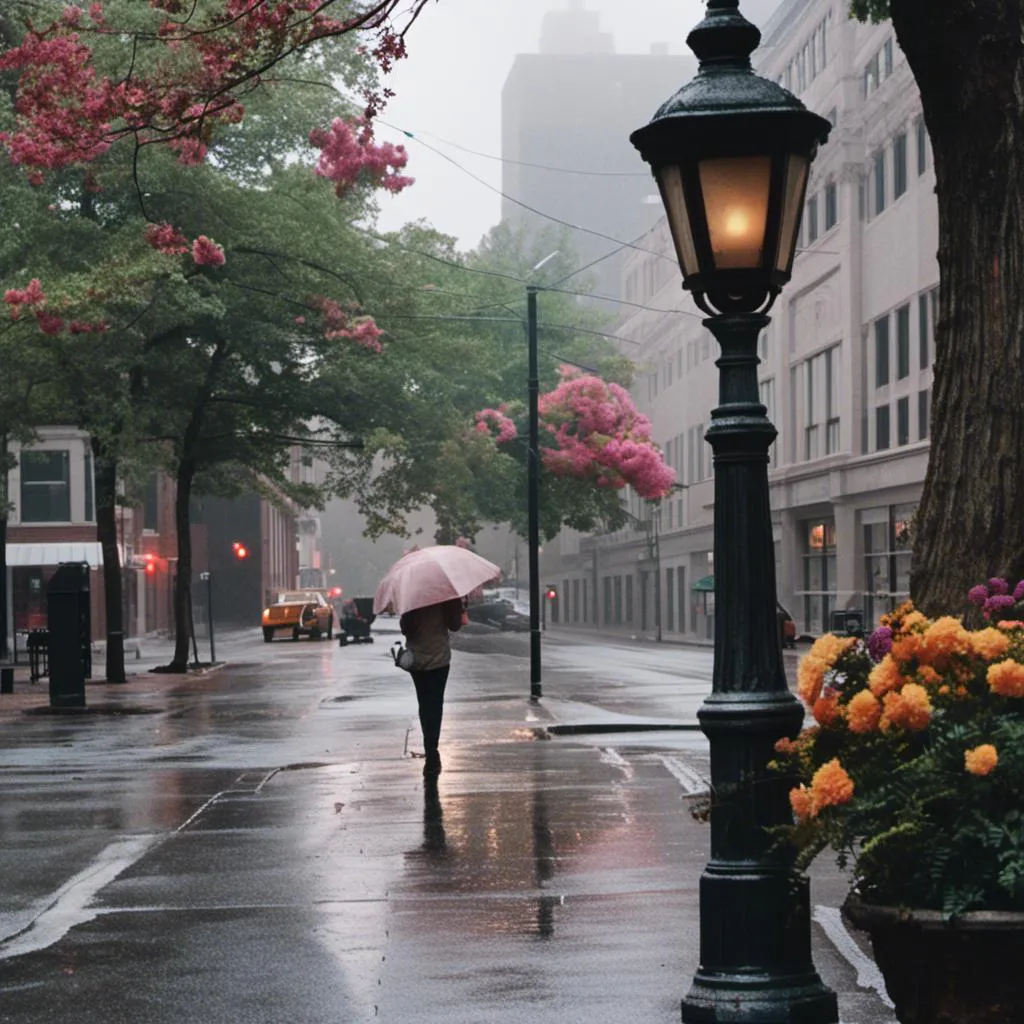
(731, 153)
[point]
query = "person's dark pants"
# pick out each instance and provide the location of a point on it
(430, 697)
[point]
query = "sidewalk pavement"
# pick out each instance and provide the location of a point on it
(551, 876)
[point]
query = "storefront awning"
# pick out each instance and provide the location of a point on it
(706, 585)
(54, 554)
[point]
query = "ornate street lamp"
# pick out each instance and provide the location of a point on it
(731, 153)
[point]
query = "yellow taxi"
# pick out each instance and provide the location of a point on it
(300, 613)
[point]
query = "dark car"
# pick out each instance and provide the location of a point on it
(787, 627)
(500, 613)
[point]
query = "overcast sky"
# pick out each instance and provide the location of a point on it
(449, 88)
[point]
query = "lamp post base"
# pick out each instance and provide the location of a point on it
(754, 1001)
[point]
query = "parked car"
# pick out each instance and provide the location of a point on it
(500, 612)
(787, 627)
(301, 613)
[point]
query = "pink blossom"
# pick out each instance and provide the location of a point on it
(300, 320)
(488, 419)
(206, 252)
(349, 155)
(166, 239)
(338, 323)
(49, 323)
(600, 436)
(30, 296)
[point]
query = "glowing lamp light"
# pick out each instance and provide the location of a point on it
(240, 550)
(150, 567)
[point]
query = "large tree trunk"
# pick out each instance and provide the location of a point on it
(968, 59)
(183, 580)
(106, 534)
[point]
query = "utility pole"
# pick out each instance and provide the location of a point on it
(533, 489)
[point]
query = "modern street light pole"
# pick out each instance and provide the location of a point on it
(731, 153)
(533, 490)
(533, 480)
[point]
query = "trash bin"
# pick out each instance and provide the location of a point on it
(846, 622)
(69, 626)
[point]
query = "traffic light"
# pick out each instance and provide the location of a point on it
(240, 550)
(150, 566)
(551, 593)
(335, 592)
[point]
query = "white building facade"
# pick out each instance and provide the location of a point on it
(845, 371)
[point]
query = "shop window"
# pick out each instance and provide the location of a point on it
(819, 573)
(887, 552)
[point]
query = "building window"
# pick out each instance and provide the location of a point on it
(670, 598)
(812, 219)
(607, 585)
(831, 205)
(821, 423)
(767, 389)
(90, 489)
(618, 600)
(45, 487)
(923, 334)
(887, 552)
(870, 81)
(629, 598)
(903, 342)
(882, 351)
(575, 600)
(923, 415)
(887, 59)
(899, 165)
(882, 427)
(921, 136)
(879, 181)
(819, 573)
(903, 421)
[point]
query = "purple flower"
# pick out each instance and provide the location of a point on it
(978, 595)
(1018, 591)
(996, 603)
(880, 643)
(997, 585)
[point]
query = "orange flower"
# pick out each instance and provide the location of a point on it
(944, 638)
(863, 712)
(990, 643)
(800, 801)
(809, 679)
(885, 676)
(1006, 678)
(929, 676)
(826, 710)
(907, 648)
(822, 656)
(914, 618)
(909, 708)
(830, 786)
(981, 760)
(1010, 624)
(786, 746)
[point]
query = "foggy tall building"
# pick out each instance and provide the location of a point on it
(571, 107)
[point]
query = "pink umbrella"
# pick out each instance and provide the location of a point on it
(430, 576)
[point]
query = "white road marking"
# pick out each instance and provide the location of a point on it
(609, 755)
(69, 905)
(684, 775)
(868, 974)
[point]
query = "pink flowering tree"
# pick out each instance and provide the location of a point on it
(594, 444)
(174, 265)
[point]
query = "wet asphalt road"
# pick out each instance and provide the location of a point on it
(257, 845)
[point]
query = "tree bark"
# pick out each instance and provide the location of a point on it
(106, 534)
(968, 60)
(183, 581)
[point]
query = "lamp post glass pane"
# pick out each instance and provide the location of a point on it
(735, 193)
(670, 181)
(792, 205)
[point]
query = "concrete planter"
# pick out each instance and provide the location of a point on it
(965, 971)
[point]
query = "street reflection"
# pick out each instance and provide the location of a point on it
(504, 845)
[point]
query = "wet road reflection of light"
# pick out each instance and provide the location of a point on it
(489, 859)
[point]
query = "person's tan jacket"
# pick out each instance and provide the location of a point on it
(426, 633)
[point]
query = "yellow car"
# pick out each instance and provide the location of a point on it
(301, 612)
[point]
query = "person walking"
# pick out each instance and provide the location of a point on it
(426, 633)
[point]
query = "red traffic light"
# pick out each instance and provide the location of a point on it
(551, 593)
(335, 592)
(240, 550)
(150, 568)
